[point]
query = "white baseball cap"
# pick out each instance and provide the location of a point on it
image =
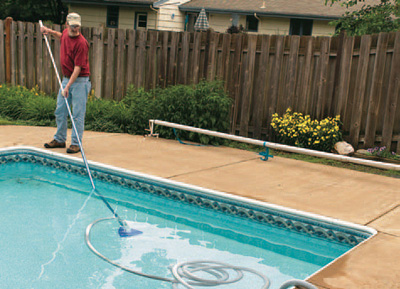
(74, 19)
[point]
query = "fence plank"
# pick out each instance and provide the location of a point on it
(248, 85)
(323, 76)
(226, 47)
(341, 93)
(212, 56)
(120, 76)
(274, 80)
(184, 63)
(39, 57)
(47, 67)
(226, 60)
(376, 90)
(21, 54)
(56, 53)
(13, 46)
(130, 58)
(109, 77)
(163, 65)
(2, 55)
(196, 57)
(7, 46)
(259, 87)
(393, 96)
(98, 59)
(151, 60)
(173, 58)
(359, 90)
(290, 82)
(30, 77)
(305, 76)
(236, 80)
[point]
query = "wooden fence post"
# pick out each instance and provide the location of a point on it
(360, 86)
(2, 58)
(375, 92)
(8, 48)
(98, 58)
(393, 96)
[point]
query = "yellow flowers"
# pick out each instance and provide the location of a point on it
(294, 128)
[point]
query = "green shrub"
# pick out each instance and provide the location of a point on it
(205, 105)
(20, 103)
(295, 129)
(140, 108)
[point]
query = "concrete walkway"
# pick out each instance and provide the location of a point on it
(343, 194)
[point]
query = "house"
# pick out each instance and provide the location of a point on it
(304, 17)
(126, 14)
(130, 14)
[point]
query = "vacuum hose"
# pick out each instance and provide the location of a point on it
(184, 272)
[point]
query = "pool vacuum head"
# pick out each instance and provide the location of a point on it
(128, 232)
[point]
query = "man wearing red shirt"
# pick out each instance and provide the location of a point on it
(74, 56)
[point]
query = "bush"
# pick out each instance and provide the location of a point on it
(297, 130)
(205, 105)
(20, 103)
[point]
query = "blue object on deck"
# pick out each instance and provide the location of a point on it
(265, 155)
(181, 142)
(128, 232)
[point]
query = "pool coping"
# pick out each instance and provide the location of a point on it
(214, 195)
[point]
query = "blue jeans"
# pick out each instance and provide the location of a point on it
(77, 98)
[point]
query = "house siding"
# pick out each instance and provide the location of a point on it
(322, 28)
(93, 16)
(220, 22)
(170, 17)
(267, 25)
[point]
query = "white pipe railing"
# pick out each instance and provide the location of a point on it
(346, 159)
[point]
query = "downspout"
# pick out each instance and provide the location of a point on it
(155, 10)
(259, 20)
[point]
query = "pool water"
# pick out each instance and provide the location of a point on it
(45, 211)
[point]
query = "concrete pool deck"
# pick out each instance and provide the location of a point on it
(338, 193)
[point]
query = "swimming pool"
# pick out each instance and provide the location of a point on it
(46, 208)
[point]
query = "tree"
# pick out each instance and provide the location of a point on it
(381, 17)
(34, 10)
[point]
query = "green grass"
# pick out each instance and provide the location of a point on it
(7, 121)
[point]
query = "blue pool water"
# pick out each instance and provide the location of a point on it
(45, 210)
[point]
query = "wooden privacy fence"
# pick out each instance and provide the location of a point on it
(356, 77)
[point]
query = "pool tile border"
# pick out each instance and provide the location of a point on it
(198, 198)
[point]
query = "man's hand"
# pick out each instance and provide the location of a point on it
(44, 30)
(65, 92)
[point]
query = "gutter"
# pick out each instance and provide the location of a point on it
(145, 4)
(262, 14)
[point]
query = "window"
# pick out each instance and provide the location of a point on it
(251, 23)
(300, 27)
(141, 21)
(190, 21)
(112, 16)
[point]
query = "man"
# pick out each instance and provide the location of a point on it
(74, 56)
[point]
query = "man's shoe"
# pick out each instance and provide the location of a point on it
(54, 144)
(73, 149)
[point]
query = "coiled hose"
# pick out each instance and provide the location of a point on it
(184, 272)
